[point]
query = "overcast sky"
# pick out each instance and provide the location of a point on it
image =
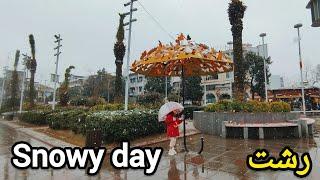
(88, 29)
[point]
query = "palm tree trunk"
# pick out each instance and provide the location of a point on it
(31, 91)
(251, 87)
(236, 12)
(239, 71)
(118, 83)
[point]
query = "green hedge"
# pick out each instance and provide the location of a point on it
(188, 111)
(250, 106)
(35, 117)
(116, 126)
(72, 119)
(107, 107)
(121, 125)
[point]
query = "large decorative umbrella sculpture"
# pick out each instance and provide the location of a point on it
(182, 58)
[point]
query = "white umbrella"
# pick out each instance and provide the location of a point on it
(167, 108)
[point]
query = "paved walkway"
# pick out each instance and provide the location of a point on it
(221, 159)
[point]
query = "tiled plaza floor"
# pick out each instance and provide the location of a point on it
(221, 159)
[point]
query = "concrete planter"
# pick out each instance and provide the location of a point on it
(211, 122)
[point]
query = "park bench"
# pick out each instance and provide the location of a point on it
(300, 127)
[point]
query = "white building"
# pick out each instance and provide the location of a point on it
(137, 84)
(43, 91)
(220, 85)
(76, 81)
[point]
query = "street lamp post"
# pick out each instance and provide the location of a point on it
(298, 26)
(58, 40)
(128, 52)
(262, 35)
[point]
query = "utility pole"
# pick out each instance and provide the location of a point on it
(298, 26)
(3, 84)
(128, 52)
(58, 40)
(262, 35)
(205, 93)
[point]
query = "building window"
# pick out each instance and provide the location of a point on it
(228, 75)
(210, 87)
(212, 77)
(140, 79)
(140, 88)
(210, 98)
(133, 80)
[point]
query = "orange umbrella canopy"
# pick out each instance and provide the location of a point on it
(168, 60)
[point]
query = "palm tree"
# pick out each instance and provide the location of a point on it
(236, 12)
(32, 64)
(64, 89)
(119, 52)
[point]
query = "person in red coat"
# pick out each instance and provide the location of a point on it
(172, 122)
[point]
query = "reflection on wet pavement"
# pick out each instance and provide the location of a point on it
(221, 159)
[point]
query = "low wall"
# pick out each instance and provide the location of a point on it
(211, 122)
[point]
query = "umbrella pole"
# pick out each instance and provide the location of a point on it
(184, 120)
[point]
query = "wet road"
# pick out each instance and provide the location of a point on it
(221, 159)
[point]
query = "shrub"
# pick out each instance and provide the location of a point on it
(39, 107)
(109, 107)
(5, 109)
(221, 106)
(85, 101)
(250, 106)
(262, 107)
(237, 106)
(149, 98)
(174, 97)
(211, 108)
(79, 101)
(124, 125)
(188, 111)
(72, 119)
(225, 106)
(280, 107)
(35, 117)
